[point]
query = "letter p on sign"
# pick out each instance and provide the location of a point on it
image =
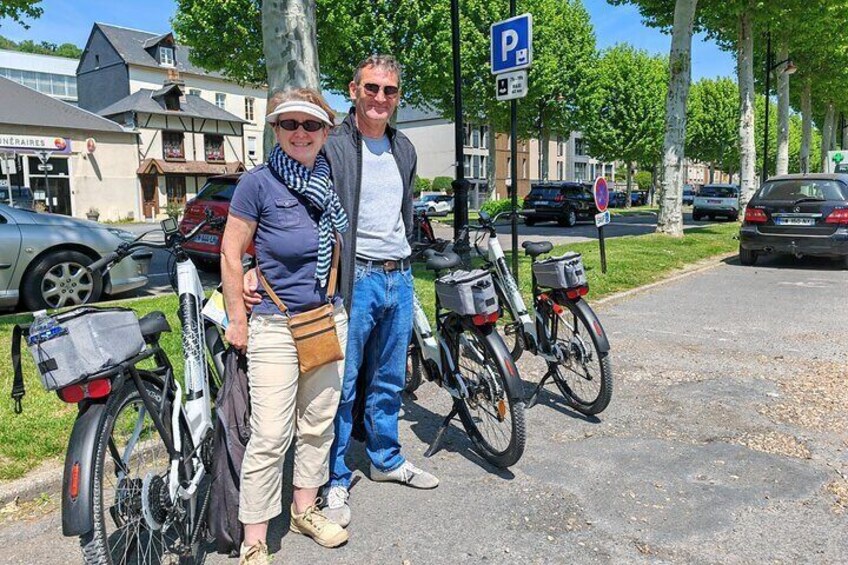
(509, 40)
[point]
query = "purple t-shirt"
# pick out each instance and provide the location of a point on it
(286, 240)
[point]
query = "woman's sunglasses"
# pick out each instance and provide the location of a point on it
(374, 89)
(308, 125)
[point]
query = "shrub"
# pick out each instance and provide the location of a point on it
(643, 180)
(421, 185)
(493, 207)
(442, 184)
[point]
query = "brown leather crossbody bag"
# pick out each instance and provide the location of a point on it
(314, 331)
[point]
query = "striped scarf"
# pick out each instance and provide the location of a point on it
(317, 188)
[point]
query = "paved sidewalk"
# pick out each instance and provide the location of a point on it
(726, 442)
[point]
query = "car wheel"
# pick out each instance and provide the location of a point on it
(569, 220)
(747, 257)
(431, 210)
(696, 216)
(208, 265)
(60, 279)
(528, 221)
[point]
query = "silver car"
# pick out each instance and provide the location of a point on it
(43, 259)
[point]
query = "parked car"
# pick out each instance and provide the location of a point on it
(434, 204)
(43, 259)
(216, 194)
(797, 215)
(563, 201)
(22, 197)
(688, 195)
(715, 200)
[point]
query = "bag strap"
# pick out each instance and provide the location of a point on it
(331, 284)
(18, 389)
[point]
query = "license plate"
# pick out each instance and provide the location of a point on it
(206, 239)
(713, 201)
(794, 221)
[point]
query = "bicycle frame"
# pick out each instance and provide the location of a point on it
(434, 349)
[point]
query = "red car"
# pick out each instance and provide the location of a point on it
(205, 248)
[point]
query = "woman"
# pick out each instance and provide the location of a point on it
(289, 208)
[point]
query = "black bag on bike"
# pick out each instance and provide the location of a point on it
(565, 271)
(468, 292)
(232, 432)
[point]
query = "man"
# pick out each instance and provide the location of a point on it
(373, 167)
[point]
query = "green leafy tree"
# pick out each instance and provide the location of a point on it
(442, 184)
(712, 128)
(421, 185)
(17, 10)
(644, 180)
(626, 117)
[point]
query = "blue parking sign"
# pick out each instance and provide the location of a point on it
(512, 44)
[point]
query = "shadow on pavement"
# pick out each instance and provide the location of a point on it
(783, 261)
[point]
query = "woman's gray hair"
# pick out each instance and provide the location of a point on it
(385, 62)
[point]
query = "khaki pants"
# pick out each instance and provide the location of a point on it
(284, 402)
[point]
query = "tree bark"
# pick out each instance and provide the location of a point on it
(670, 216)
(290, 47)
(782, 165)
(745, 75)
(628, 202)
(806, 125)
(545, 151)
(827, 135)
(491, 162)
(712, 172)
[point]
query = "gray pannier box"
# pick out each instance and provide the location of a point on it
(468, 292)
(91, 340)
(565, 271)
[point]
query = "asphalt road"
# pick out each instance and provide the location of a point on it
(726, 442)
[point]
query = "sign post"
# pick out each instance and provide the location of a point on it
(512, 50)
(9, 163)
(601, 194)
(44, 156)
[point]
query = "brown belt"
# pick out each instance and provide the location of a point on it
(388, 265)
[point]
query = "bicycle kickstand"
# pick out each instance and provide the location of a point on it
(534, 398)
(440, 434)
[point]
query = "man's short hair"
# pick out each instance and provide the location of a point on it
(385, 62)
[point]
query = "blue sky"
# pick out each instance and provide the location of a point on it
(71, 20)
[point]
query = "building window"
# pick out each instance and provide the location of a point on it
(475, 138)
(580, 171)
(248, 109)
(213, 148)
(523, 169)
(484, 172)
(175, 187)
(467, 135)
(475, 166)
(194, 92)
(220, 100)
(172, 145)
(559, 170)
(579, 146)
(251, 146)
(467, 165)
(559, 146)
(509, 167)
(608, 170)
(166, 56)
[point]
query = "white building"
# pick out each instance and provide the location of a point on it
(47, 74)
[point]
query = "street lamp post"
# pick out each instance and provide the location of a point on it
(460, 185)
(789, 69)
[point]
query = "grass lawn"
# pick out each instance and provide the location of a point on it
(473, 215)
(42, 431)
(634, 211)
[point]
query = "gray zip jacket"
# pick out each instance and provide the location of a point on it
(344, 153)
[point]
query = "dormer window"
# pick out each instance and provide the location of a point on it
(166, 56)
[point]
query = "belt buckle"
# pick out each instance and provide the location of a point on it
(389, 266)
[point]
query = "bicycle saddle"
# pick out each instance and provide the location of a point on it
(154, 324)
(441, 261)
(536, 248)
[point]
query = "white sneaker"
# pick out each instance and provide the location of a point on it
(407, 474)
(337, 508)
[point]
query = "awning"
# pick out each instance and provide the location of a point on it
(191, 168)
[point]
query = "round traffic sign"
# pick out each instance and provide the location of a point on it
(601, 193)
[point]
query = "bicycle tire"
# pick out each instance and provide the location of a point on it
(414, 367)
(512, 337)
(140, 498)
(488, 346)
(583, 366)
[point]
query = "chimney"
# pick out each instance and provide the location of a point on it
(174, 78)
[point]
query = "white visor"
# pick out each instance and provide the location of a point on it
(299, 106)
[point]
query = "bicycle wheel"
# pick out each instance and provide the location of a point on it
(414, 367)
(511, 327)
(586, 378)
(135, 520)
(492, 414)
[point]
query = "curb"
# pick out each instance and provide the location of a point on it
(49, 478)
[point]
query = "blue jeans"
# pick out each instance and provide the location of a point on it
(378, 335)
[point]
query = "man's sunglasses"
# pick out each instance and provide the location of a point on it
(308, 125)
(374, 89)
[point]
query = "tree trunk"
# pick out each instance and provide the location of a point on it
(782, 165)
(670, 217)
(844, 145)
(545, 151)
(628, 203)
(491, 162)
(712, 172)
(290, 48)
(827, 135)
(806, 125)
(745, 73)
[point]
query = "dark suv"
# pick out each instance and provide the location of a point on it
(565, 202)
